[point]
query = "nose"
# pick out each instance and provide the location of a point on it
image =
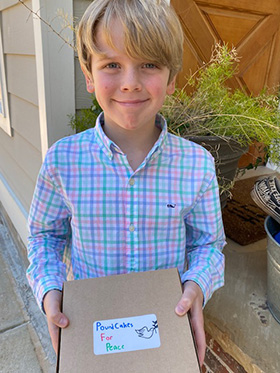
(131, 80)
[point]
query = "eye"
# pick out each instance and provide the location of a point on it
(112, 65)
(150, 65)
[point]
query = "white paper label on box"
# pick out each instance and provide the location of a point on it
(127, 334)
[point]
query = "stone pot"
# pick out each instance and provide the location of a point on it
(226, 153)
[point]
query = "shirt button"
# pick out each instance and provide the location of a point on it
(131, 182)
(131, 228)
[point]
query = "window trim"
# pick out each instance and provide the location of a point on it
(5, 123)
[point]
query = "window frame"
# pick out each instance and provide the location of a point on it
(5, 123)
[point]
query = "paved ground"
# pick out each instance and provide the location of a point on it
(238, 314)
(24, 342)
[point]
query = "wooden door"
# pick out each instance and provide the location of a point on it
(252, 26)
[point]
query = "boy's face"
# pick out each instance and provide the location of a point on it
(130, 91)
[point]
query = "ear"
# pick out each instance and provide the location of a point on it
(89, 82)
(171, 86)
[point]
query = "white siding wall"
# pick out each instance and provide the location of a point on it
(40, 83)
(20, 155)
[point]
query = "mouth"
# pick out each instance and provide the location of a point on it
(131, 103)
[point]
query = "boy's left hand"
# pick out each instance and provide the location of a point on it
(192, 300)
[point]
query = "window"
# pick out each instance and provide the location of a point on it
(4, 107)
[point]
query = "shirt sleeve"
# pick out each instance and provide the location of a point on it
(49, 231)
(205, 238)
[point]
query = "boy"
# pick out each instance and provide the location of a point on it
(129, 195)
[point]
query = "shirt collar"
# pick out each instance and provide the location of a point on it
(104, 142)
(110, 147)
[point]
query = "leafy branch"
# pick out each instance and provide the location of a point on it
(68, 24)
(213, 109)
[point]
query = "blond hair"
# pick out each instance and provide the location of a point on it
(152, 31)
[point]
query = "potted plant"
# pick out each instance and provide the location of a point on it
(224, 121)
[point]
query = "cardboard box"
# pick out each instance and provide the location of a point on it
(126, 323)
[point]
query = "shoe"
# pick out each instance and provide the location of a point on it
(266, 194)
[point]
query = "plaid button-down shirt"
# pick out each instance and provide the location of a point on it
(116, 220)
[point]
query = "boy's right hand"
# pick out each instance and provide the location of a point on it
(56, 319)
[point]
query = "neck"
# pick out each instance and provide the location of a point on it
(135, 144)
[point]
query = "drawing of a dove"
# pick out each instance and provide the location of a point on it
(145, 332)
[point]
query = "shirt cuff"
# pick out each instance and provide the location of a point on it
(42, 292)
(204, 282)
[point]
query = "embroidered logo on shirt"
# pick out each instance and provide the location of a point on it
(171, 205)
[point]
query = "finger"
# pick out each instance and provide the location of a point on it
(197, 323)
(56, 319)
(183, 305)
(52, 306)
(192, 299)
(54, 334)
(187, 299)
(54, 323)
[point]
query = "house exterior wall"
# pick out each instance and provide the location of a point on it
(20, 154)
(39, 70)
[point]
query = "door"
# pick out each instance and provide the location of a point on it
(252, 26)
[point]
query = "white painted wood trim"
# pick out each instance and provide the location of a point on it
(55, 71)
(5, 117)
(40, 78)
(14, 209)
